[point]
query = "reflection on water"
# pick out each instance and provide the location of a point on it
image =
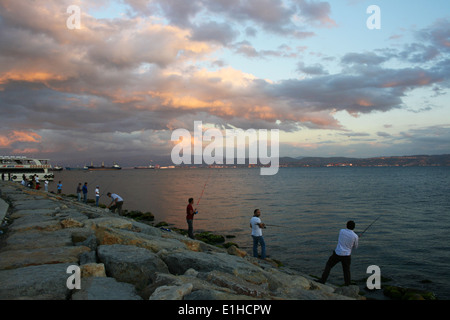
(307, 207)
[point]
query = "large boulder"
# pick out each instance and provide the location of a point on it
(180, 262)
(102, 288)
(172, 292)
(13, 259)
(109, 222)
(33, 239)
(35, 204)
(46, 282)
(110, 236)
(131, 264)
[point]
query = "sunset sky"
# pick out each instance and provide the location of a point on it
(136, 70)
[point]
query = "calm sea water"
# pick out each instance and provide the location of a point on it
(306, 208)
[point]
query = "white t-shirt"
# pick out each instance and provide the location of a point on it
(256, 230)
(346, 242)
(97, 192)
(116, 197)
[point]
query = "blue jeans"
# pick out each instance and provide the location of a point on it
(256, 241)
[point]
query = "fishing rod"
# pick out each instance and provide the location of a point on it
(274, 225)
(369, 226)
(204, 187)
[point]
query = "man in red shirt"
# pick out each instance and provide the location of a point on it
(190, 218)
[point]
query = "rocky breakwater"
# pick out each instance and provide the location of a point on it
(122, 259)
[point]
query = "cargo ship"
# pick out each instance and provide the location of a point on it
(115, 166)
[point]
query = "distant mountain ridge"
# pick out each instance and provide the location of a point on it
(415, 160)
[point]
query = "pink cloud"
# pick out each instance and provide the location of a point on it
(19, 136)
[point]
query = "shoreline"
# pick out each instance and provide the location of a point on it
(45, 231)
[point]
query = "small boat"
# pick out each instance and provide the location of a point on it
(145, 167)
(76, 168)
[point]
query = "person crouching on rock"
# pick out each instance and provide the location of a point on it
(116, 203)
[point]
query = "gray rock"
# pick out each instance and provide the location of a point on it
(34, 238)
(12, 259)
(236, 284)
(35, 222)
(104, 288)
(109, 222)
(180, 262)
(88, 257)
(3, 209)
(208, 294)
(172, 292)
(131, 264)
(348, 291)
(90, 242)
(109, 236)
(146, 229)
(35, 204)
(35, 282)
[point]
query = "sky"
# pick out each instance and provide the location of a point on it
(116, 85)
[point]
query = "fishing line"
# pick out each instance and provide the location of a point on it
(106, 190)
(204, 187)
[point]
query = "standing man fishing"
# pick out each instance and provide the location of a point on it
(257, 226)
(346, 242)
(190, 217)
(85, 192)
(97, 195)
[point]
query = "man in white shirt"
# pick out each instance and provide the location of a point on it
(346, 242)
(97, 195)
(257, 226)
(116, 203)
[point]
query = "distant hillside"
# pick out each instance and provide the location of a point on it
(417, 160)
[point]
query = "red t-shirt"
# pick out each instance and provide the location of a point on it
(189, 215)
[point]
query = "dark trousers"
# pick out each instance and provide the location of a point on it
(190, 223)
(117, 206)
(332, 261)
